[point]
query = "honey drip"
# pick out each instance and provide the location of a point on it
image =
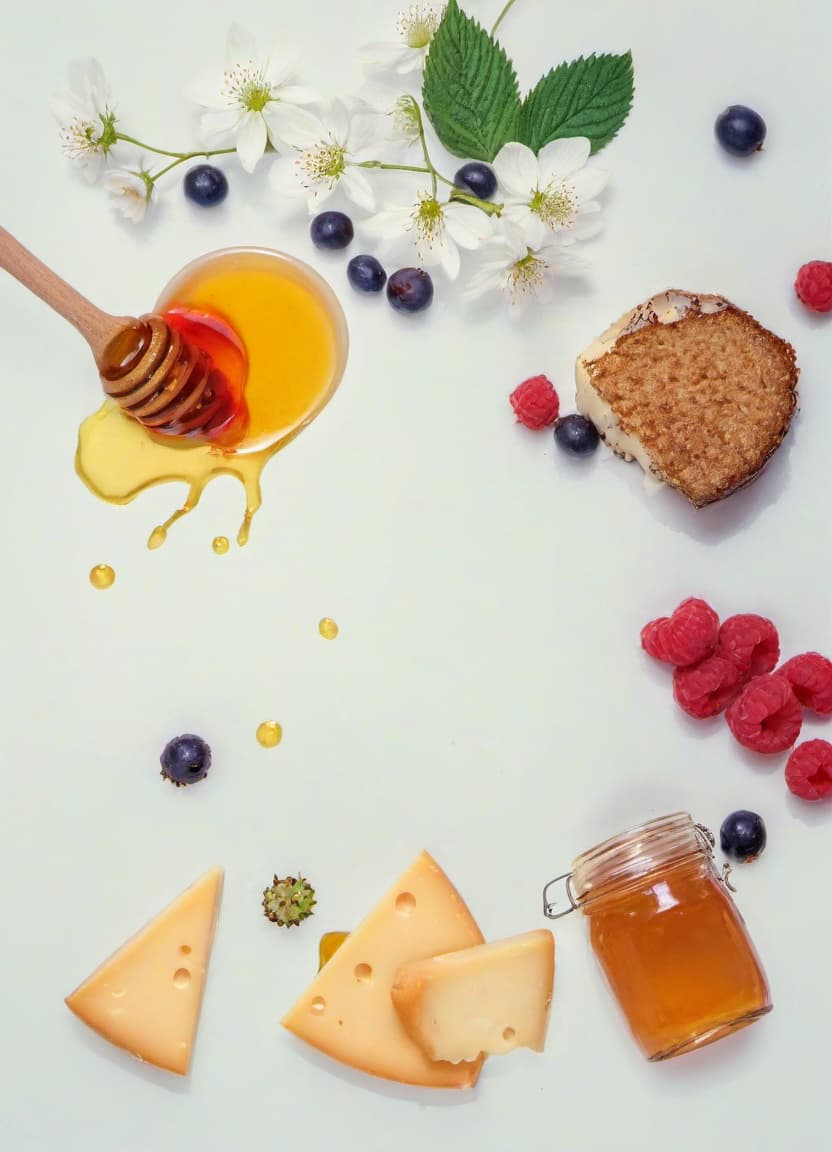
(328, 628)
(329, 945)
(295, 338)
(220, 545)
(102, 576)
(269, 734)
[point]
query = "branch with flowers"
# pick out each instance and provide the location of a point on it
(445, 79)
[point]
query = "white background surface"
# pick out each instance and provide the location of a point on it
(486, 699)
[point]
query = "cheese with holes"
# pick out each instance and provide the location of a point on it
(490, 999)
(147, 996)
(347, 1011)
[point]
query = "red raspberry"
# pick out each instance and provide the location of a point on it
(687, 637)
(810, 676)
(766, 716)
(707, 688)
(809, 770)
(814, 285)
(750, 642)
(651, 639)
(535, 403)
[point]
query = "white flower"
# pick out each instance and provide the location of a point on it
(329, 160)
(256, 101)
(416, 27)
(552, 194)
(131, 192)
(521, 272)
(436, 230)
(86, 120)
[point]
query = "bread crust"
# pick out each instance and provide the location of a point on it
(707, 404)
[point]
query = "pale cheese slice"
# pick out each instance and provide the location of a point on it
(147, 996)
(491, 999)
(347, 1012)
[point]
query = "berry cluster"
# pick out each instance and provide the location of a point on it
(408, 289)
(731, 667)
(536, 405)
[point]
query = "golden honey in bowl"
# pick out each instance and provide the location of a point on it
(294, 334)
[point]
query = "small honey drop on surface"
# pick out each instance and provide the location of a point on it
(269, 734)
(102, 576)
(328, 628)
(220, 545)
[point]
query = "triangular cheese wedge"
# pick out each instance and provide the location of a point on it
(492, 998)
(347, 1012)
(146, 997)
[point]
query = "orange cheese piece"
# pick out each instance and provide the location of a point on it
(492, 998)
(146, 997)
(347, 1011)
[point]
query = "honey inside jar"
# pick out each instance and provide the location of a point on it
(670, 940)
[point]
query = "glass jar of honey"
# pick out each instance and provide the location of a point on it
(669, 938)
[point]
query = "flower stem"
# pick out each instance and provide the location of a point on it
(429, 163)
(390, 167)
(507, 8)
(485, 206)
(178, 155)
(167, 168)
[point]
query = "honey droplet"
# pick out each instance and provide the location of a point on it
(269, 734)
(102, 576)
(220, 545)
(328, 628)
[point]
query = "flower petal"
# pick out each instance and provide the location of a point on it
(589, 182)
(389, 222)
(240, 45)
(517, 169)
(285, 177)
(563, 157)
(528, 223)
(289, 124)
(205, 91)
(298, 94)
(449, 258)
(251, 140)
(381, 55)
(218, 127)
(358, 188)
(468, 226)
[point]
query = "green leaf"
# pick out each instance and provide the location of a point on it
(590, 97)
(470, 88)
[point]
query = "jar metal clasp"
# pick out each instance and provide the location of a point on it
(550, 906)
(708, 841)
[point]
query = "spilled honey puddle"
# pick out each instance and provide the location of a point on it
(295, 337)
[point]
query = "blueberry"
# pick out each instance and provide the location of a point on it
(206, 185)
(477, 179)
(331, 230)
(740, 130)
(576, 434)
(366, 274)
(742, 836)
(185, 759)
(410, 290)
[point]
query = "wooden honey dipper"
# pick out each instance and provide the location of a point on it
(158, 378)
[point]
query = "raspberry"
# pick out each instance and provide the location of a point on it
(651, 639)
(535, 403)
(686, 638)
(809, 770)
(814, 285)
(766, 716)
(810, 676)
(707, 688)
(751, 643)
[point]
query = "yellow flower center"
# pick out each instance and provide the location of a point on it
(325, 163)
(417, 26)
(527, 274)
(246, 85)
(428, 219)
(554, 205)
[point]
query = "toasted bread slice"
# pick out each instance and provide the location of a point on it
(694, 389)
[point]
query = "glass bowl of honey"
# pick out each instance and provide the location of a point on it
(288, 321)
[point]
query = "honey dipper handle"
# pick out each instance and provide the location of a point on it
(98, 328)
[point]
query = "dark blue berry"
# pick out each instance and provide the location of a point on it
(742, 836)
(331, 230)
(740, 130)
(366, 274)
(478, 179)
(576, 434)
(186, 759)
(206, 185)
(410, 290)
